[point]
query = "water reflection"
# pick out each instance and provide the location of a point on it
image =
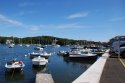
(14, 75)
(38, 69)
(62, 69)
(67, 59)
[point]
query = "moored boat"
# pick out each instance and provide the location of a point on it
(14, 64)
(83, 55)
(42, 54)
(38, 48)
(11, 45)
(39, 61)
(27, 45)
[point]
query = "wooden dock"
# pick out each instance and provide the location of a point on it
(44, 78)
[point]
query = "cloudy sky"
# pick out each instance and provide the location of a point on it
(97, 20)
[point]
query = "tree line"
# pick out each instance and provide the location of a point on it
(47, 40)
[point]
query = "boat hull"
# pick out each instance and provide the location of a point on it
(39, 63)
(12, 66)
(78, 57)
(14, 69)
(41, 55)
(38, 48)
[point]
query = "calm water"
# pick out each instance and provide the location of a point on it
(61, 69)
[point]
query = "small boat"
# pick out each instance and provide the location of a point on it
(42, 54)
(38, 48)
(63, 53)
(97, 50)
(14, 64)
(56, 45)
(40, 61)
(27, 45)
(74, 52)
(20, 45)
(77, 47)
(11, 45)
(83, 55)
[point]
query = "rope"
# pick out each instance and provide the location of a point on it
(12, 73)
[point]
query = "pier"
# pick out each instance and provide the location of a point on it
(44, 78)
(93, 74)
(104, 70)
(113, 72)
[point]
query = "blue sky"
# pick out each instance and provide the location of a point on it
(97, 20)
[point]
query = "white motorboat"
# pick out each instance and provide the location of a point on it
(38, 48)
(20, 45)
(27, 45)
(42, 54)
(56, 45)
(11, 45)
(83, 55)
(63, 53)
(40, 61)
(14, 65)
(75, 52)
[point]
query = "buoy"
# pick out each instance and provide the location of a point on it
(25, 55)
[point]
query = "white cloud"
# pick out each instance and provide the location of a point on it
(25, 4)
(78, 15)
(64, 26)
(11, 21)
(8, 22)
(2, 17)
(35, 28)
(71, 26)
(118, 18)
(21, 13)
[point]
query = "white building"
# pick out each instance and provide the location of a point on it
(8, 41)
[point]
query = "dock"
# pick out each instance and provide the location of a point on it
(93, 74)
(114, 72)
(44, 78)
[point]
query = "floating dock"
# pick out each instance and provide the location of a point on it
(44, 78)
(93, 74)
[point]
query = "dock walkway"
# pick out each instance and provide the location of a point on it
(44, 78)
(113, 72)
(93, 74)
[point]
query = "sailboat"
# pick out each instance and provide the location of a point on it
(27, 45)
(54, 43)
(11, 43)
(20, 42)
(38, 47)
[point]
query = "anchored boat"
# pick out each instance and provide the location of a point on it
(40, 61)
(83, 55)
(42, 54)
(14, 64)
(38, 48)
(11, 45)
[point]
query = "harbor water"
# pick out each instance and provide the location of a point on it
(62, 69)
